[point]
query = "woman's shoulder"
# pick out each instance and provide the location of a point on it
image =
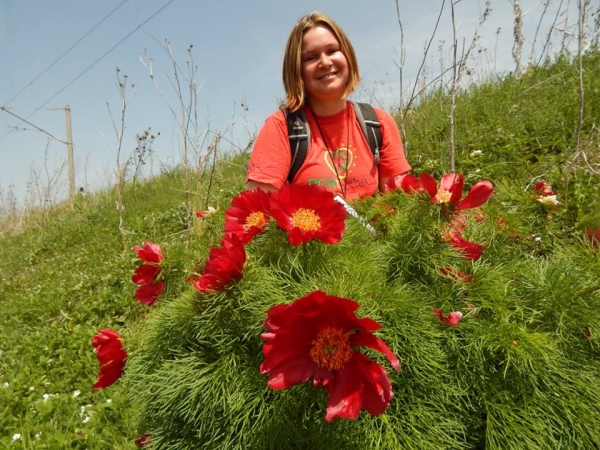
(383, 115)
(277, 116)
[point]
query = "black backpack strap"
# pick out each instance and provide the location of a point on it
(371, 128)
(299, 137)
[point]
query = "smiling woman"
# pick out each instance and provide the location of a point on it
(320, 70)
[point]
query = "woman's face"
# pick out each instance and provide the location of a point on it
(325, 70)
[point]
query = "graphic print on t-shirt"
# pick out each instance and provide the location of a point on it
(342, 158)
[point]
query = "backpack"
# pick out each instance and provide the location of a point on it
(299, 134)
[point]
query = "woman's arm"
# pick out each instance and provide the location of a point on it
(252, 185)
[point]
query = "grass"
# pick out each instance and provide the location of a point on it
(67, 274)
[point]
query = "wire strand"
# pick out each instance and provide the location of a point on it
(94, 63)
(64, 54)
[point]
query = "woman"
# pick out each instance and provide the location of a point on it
(319, 72)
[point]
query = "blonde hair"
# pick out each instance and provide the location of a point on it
(292, 59)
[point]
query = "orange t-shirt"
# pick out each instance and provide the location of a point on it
(338, 157)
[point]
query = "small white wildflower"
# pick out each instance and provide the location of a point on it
(537, 239)
(50, 360)
(16, 436)
(86, 419)
(76, 393)
(82, 411)
(47, 397)
(475, 153)
(31, 388)
(5, 384)
(108, 400)
(477, 170)
(38, 435)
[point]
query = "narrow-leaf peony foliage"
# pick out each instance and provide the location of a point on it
(111, 357)
(317, 336)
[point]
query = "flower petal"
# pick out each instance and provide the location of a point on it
(429, 184)
(146, 273)
(477, 196)
(111, 357)
(147, 294)
(366, 339)
(377, 390)
(470, 250)
(149, 253)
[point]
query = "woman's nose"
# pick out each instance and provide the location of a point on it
(324, 60)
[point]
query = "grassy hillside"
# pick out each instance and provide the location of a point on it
(67, 274)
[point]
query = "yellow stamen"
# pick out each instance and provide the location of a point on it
(306, 220)
(256, 219)
(444, 195)
(331, 349)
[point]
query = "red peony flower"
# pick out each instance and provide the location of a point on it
(470, 250)
(148, 293)
(543, 188)
(248, 214)
(308, 212)
(451, 233)
(451, 190)
(111, 357)
(224, 265)
(142, 441)
(209, 212)
(149, 253)
(146, 273)
(546, 195)
(395, 183)
(586, 332)
(317, 336)
(593, 235)
(451, 319)
(410, 184)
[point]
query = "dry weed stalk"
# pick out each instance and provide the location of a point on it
(537, 30)
(583, 6)
(400, 66)
(458, 68)
(547, 45)
(405, 108)
(44, 188)
(566, 33)
(187, 114)
(518, 36)
(143, 152)
(121, 167)
(10, 220)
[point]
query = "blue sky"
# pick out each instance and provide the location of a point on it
(237, 46)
